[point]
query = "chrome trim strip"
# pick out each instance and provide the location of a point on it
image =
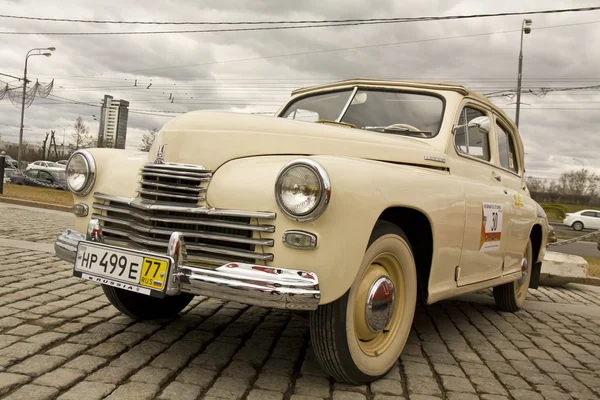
(164, 206)
(173, 186)
(169, 194)
(195, 234)
(244, 283)
(347, 104)
(176, 176)
(214, 222)
(179, 167)
(134, 237)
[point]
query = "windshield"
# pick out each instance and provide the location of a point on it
(59, 175)
(54, 165)
(393, 112)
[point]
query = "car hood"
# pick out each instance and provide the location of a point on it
(212, 138)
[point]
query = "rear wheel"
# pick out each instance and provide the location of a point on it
(360, 336)
(577, 225)
(142, 307)
(511, 296)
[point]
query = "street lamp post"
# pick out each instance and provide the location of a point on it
(525, 29)
(29, 54)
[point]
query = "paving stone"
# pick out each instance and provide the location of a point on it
(344, 387)
(60, 378)
(135, 390)
(341, 395)
(525, 395)
(25, 330)
(181, 391)
(110, 374)
(387, 386)
(451, 370)
(107, 350)
(20, 350)
(417, 369)
(456, 384)
(258, 394)
(422, 385)
(312, 386)
(277, 383)
(86, 363)
(33, 392)
(461, 396)
(197, 376)
(46, 338)
(9, 381)
(67, 350)
(240, 370)
(37, 365)
(152, 375)
(228, 388)
(304, 397)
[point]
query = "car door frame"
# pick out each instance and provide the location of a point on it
(477, 262)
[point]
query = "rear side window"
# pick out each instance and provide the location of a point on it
(506, 149)
(588, 214)
(472, 134)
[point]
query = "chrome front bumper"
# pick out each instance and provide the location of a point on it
(244, 283)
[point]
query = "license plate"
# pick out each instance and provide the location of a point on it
(136, 271)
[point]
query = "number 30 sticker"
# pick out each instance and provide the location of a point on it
(491, 227)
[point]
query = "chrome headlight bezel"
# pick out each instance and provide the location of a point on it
(90, 166)
(324, 190)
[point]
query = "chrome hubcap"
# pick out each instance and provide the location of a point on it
(381, 300)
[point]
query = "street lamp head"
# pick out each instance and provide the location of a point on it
(51, 48)
(47, 54)
(527, 30)
(528, 22)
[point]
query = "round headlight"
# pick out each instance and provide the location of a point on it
(81, 172)
(303, 190)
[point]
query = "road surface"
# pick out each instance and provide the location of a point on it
(583, 249)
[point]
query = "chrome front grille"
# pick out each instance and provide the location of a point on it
(177, 183)
(168, 202)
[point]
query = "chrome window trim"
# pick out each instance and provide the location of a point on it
(347, 104)
(91, 165)
(324, 196)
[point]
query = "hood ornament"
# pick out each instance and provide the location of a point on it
(160, 154)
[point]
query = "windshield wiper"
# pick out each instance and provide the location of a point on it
(399, 129)
(326, 121)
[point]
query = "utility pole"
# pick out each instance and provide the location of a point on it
(29, 54)
(527, 30)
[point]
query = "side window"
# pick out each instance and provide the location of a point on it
(45, 176)
(472, 134)
(506, 148)
(304, 115)
(588, 214)
(32, 173)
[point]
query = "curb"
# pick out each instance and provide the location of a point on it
(36, 204)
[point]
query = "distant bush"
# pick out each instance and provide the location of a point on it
(555, 212)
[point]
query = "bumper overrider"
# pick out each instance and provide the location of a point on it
(252, 284)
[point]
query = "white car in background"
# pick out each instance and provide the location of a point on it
(45, 164)
(589, 219)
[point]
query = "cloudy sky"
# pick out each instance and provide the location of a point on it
(255, 71)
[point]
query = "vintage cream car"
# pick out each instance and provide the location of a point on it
(357, 200)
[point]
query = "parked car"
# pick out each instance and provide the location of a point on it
(45, 164)
(8, 172)
(42, 177)
(359, 198)
(588, 219)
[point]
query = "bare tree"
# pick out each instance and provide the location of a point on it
(536, 184)
(148, 139)
(579, 182)
(80, 138)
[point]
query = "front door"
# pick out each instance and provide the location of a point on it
(487, 210)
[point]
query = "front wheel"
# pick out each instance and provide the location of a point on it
(511, 296)
(359, 337)
(142, 307)
(578, 226)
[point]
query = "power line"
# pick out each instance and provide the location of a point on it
(297, 22)
(287, 27)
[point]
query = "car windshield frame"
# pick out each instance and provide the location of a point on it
(358, 89)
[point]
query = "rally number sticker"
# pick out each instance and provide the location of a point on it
(491, 227)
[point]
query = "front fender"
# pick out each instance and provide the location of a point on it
(117, 172)
(361, 191)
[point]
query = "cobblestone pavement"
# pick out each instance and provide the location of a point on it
(60, 338)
